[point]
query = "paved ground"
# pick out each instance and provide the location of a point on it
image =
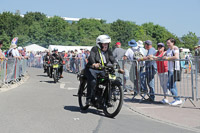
(40, 106)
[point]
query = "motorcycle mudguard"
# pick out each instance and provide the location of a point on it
(116, 82)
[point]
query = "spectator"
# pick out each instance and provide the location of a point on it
(118, 53)
(77, 61)
(13, 51)
(182, 56)
(133, 54)
(2, 55)
(196, 51)
(140, 44)
(20, 51)
(172, 54)
(83, 59)
(32, 56)
(162, 70)
(68, 60)
(72, 62)
(147, 77)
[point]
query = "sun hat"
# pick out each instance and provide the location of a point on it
(13, 46)
(132, 43)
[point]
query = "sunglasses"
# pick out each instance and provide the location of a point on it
(159, 46)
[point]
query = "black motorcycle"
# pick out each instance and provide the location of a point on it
(56, 74)
(48, 68)
(108, 90)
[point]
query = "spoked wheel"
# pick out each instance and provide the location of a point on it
(82, 96)
(48, 71)
(116, 101)
(55, 76)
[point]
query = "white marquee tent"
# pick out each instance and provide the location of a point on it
(35, 48)
(66, 48)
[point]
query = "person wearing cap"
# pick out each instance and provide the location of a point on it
(147, 77)
(140, 43)
(119, 52)
(20, 51)
(172, 54)
(162, 70)
(13, 52)
(132, 55)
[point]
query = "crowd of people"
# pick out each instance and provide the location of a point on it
(74, 61)
(164, 62)
(151, 61)
(13, 52)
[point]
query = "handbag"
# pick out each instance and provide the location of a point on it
(177, 75)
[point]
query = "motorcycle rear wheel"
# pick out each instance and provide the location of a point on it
(82, 96)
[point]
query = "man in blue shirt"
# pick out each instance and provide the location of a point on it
(147, 77)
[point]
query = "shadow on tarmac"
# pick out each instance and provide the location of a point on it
(89, 110)
(50, 82)
(42, 75)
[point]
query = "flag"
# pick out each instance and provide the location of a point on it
(14, 41)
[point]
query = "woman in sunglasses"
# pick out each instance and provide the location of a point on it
(162, 67)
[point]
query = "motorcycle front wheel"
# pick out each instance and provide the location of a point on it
(116, 100)
(55, 76)
(48, 71)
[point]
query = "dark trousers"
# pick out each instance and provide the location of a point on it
(91, 75)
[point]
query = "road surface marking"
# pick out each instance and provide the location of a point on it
(151, 107)
(62, 86)
(76, 119)
(70, 88)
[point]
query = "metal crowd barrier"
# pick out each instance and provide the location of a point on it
(134, 72)
(196, 71)
(73, 65)
(12, 70)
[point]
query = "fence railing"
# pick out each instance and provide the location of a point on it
(187, 88)
(137, 77)
(196, 66)
(73, 65)
(12, 70)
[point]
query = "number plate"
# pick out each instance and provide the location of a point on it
(113, 77)
(55, 66)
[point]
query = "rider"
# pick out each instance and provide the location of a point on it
(57, 56)
(47, 58)
(100, 55)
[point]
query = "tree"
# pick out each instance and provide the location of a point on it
(123, 31)
(190, 40)
(36, 27)
(6, 41)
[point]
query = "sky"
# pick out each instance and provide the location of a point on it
(177, 16)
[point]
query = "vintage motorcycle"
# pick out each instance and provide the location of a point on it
(48, 67)
(55, 73)
(108, 88)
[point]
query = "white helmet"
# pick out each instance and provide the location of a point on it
(102, 39)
